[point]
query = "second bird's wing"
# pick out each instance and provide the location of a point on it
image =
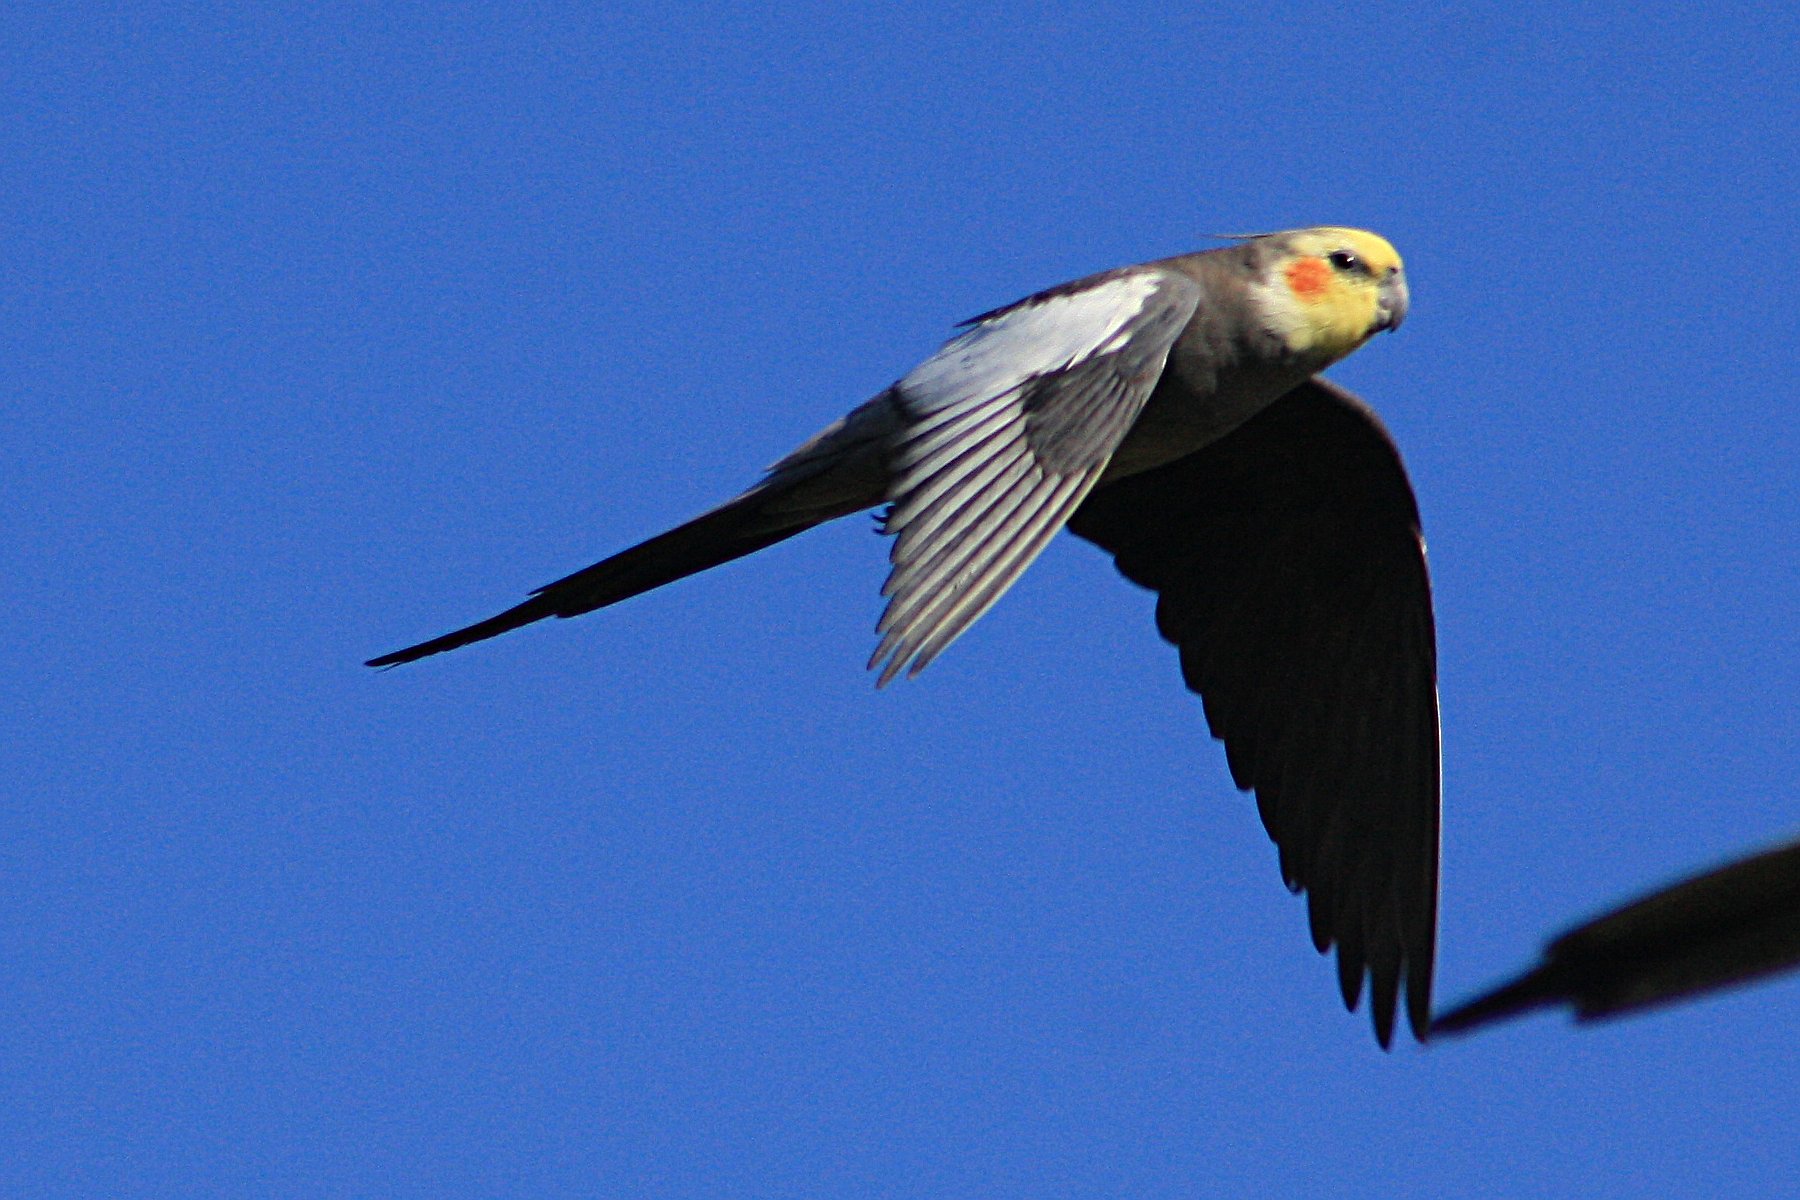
(1726, 927)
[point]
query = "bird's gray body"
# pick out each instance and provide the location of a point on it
(1223, 369)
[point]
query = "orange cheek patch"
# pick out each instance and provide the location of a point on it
(1309, 277)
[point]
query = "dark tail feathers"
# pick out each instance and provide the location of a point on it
(733, 530)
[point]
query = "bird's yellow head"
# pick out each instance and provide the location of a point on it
(1329, 290)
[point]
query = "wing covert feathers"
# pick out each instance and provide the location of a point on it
(1005, 431)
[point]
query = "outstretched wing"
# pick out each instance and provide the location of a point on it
(1291, 575)
(1005, 430)
(1729, 926)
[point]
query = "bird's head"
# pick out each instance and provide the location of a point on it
(1326, 291)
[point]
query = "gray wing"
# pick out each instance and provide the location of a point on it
(1291, 576)
(1004, 432)
(1728, 926)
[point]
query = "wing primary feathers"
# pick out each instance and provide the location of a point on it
(987, 490)
(925, 458)
(1291, 578)
(993, 555)
(924, 577)
(1007, 428)
(942, 498)
(981, 594)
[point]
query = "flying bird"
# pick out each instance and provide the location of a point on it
(1729, 926)
(1171, 413)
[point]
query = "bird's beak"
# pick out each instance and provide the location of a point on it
(1392, 301)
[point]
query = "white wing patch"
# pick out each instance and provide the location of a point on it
(1032, 338)
(974, 499)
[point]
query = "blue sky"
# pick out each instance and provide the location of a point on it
(325, 330)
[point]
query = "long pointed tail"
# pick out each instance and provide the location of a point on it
(730, 531)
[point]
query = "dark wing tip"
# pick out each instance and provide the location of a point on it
(1418, 1001)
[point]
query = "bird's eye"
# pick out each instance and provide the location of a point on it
(1345, 261)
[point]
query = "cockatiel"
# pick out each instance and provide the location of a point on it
(1171, 413)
